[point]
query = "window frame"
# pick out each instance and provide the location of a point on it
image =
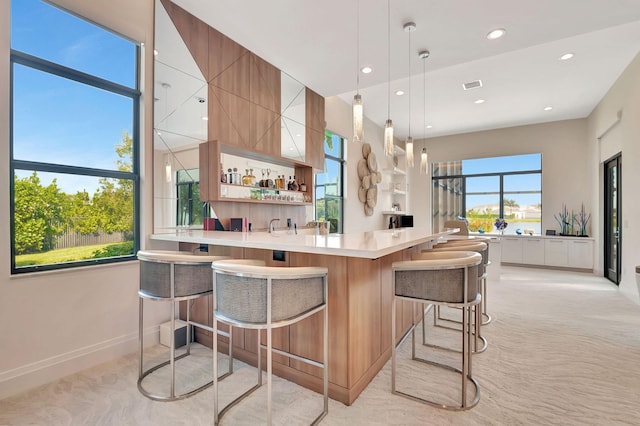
(341, 161)
(20, 58)
(501, 192)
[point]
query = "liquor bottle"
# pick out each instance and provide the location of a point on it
(252, 178)
(270, 183)
(223, 175)
(229, 176)
(294, 184)
(289, 183)
(302, 187)
(246, 179)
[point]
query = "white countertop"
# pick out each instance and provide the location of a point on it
(370, 245)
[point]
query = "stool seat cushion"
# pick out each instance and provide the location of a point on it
(241, 291)
(438, 280)
(192, 274)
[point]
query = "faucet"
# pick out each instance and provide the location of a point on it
(271, 227)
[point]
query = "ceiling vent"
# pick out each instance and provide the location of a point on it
(472, 85)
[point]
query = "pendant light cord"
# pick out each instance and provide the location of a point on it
(389, 59)
(424, 99)
(357, 46)
(409, 83)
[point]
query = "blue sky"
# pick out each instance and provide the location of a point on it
(62, 121)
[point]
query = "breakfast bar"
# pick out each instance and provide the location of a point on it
(359, 300)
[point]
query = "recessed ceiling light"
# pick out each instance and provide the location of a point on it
(548, 108)
(366, 70)
(298, 135)
(399, 92)
(478, 101)
(429, 126)
(205, 118)
(155, 52)
(566, 56)
(497, 33)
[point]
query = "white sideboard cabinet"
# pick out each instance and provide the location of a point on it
(553, 251)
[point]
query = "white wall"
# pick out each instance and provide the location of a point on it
(605, 138)
(565, 168)
(339, 120)
(56, 323)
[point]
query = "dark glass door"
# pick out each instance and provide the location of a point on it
(612, 212)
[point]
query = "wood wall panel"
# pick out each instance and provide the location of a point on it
(305, 337)
(364, 315)
(265, 84)
(228, 64)
(193, 31)
(235, 77)
(386, 298)
(314, 135)
(264, 130)
(314, 111)
(228, 118)
(314, 145)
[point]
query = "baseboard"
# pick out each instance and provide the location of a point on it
(41, 372)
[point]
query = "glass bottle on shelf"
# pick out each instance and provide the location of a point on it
(302, 187)
(294, 184)
(252, 178)
(229, 176)
(289, 183)
(223, 175)
(270, 183)
(237, 180)
(246, 179)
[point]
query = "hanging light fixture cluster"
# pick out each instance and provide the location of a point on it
(424, 165)
(358, 106)
(409, 27)
(388, 128)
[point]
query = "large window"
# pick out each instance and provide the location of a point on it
(329, 184)
(74, 141)
(484, 189)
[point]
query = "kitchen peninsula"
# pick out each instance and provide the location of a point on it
(360, 298)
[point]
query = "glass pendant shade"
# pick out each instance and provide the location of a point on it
(388, 138)
(423, 162)
(358, 117)
(409, 149)
(167, 172)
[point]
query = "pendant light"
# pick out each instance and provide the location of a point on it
(388, 127)
(358, 107)
(424, 165)
(409, 27)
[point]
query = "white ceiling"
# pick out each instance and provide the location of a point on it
(315, 42)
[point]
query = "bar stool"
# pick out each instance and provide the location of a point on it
(172, 276)
(261, 297)
(439, 282)
(483, 249)
(486, 317)
(443, 255)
